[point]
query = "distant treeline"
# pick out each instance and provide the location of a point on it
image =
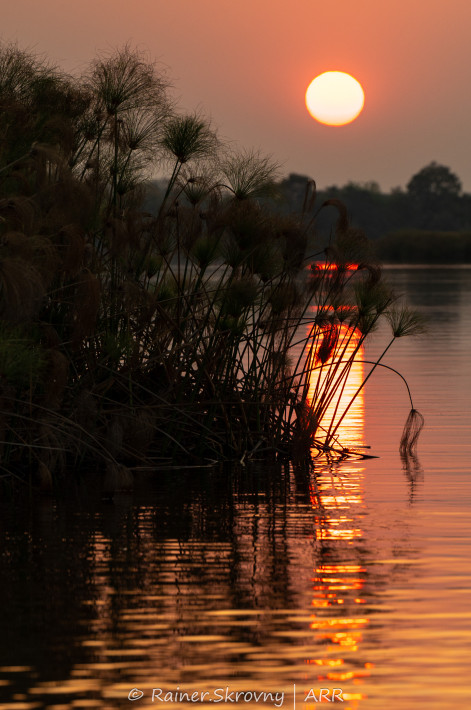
(419, 246)
(433, 200)
(429, 221)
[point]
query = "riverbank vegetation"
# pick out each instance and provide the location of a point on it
(432, 214)
(421, 246)
(191, 335)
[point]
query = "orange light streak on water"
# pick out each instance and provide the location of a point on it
(338, 504)
(351, 428)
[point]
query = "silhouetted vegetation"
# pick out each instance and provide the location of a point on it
(421, 246)
(135, 339)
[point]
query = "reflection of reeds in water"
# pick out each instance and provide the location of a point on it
(413, 471)
(258, 588)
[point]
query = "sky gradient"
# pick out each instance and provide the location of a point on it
(247, 66)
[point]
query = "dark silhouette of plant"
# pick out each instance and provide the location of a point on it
(133, 339)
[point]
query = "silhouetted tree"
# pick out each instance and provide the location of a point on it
(434, 180)
(435, 194)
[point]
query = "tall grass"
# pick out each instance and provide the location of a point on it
(134, 339)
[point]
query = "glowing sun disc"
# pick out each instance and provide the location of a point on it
(334, 98)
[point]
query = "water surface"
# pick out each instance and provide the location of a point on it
(355, 578)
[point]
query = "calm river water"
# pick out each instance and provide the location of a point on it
(356, 582)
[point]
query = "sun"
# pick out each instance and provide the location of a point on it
(334, 98)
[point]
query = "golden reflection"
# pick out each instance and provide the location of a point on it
(332, 376)
(340, 575)
(336, 585)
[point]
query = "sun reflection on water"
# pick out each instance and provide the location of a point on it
(340, 575)
(328, 376)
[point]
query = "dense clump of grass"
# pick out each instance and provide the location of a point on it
(134, 339)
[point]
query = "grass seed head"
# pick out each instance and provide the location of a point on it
(188, 138)
(125, 81)
(248, 174)
(404, 322)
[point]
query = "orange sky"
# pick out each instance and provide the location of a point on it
(247, 64)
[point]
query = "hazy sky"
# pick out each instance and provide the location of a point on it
(247, 65)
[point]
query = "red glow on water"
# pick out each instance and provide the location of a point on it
(328, 266)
